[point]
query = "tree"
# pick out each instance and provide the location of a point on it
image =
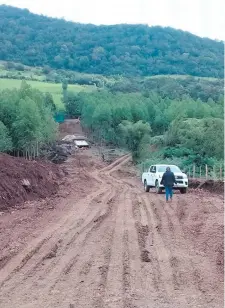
(213, 141)
(5, 139)
(26, 120)
(49, 102)
(203, 136)
(134, 134)
(46, 69)
(102, 119)
(74, 105)
(27, 126)
(131, 50)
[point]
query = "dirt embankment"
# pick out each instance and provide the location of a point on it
(22, 180)
(208, 185)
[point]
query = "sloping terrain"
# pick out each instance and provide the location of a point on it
(101, 241)
(23, 180)
(116, 246)
(132, 50)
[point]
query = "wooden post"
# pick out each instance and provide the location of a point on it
(206, 172)
(214, 173)
(189, 172)
(193, 171)
(200, 172)
(221, 175)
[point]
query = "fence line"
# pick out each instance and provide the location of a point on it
(205, 172)
(200, 172)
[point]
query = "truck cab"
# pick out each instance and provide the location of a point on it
(152, 178)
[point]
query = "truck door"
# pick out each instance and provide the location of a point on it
(150, 176)
(153, 175)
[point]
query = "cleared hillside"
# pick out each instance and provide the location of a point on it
(133, 50)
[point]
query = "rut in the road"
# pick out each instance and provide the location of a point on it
(117, 248)
(67, 240)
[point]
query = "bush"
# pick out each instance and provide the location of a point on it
(19, 67)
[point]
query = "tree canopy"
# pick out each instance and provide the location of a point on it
(132, 50)
(26, 120)
(132, 119)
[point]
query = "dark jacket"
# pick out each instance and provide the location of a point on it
(168, 179)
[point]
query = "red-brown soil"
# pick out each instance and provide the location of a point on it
(42, 180)
(208, 185)
(102, 242)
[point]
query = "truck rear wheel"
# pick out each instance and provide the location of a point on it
(157, 188)
(146, 186)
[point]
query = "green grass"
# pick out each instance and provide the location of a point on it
(54, 88)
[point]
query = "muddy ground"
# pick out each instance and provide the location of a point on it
(103, 242)
(22, 180)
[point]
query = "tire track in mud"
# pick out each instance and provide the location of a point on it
(141, 228)
(127, 301)
(132, 269)
(110, 297)
(99, 264)
(113, 166)
(180, 255)
(163, 255)
(121, 249)
(97, 220)
(67, 221)
(111, 276)
(172, 254)
(187, 271)
(23, 257)
(43, 251)
(90, 227)
(35, 277)
(148, 244)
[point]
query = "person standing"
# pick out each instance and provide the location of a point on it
(168, 180)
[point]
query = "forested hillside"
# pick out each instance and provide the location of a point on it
(177, 128)
(132, 50)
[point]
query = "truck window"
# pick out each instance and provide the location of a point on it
(153, 169)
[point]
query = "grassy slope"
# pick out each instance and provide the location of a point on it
(53, 88)
(13, 80)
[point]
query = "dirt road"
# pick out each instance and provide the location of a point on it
(118, 247)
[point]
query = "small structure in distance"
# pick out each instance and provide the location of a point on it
(79, 141)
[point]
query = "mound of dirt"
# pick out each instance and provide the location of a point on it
(209, 185)
(22, 180)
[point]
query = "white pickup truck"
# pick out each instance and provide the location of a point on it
(153, 176)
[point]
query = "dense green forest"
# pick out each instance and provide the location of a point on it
(183, 128)
(169, 87)
(132, 50)
(26, 121)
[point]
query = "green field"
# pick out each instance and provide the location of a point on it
(54, 88)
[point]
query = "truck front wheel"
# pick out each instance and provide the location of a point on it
(146, 186)
(183, 190)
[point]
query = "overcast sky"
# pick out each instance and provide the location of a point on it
(201, 17)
